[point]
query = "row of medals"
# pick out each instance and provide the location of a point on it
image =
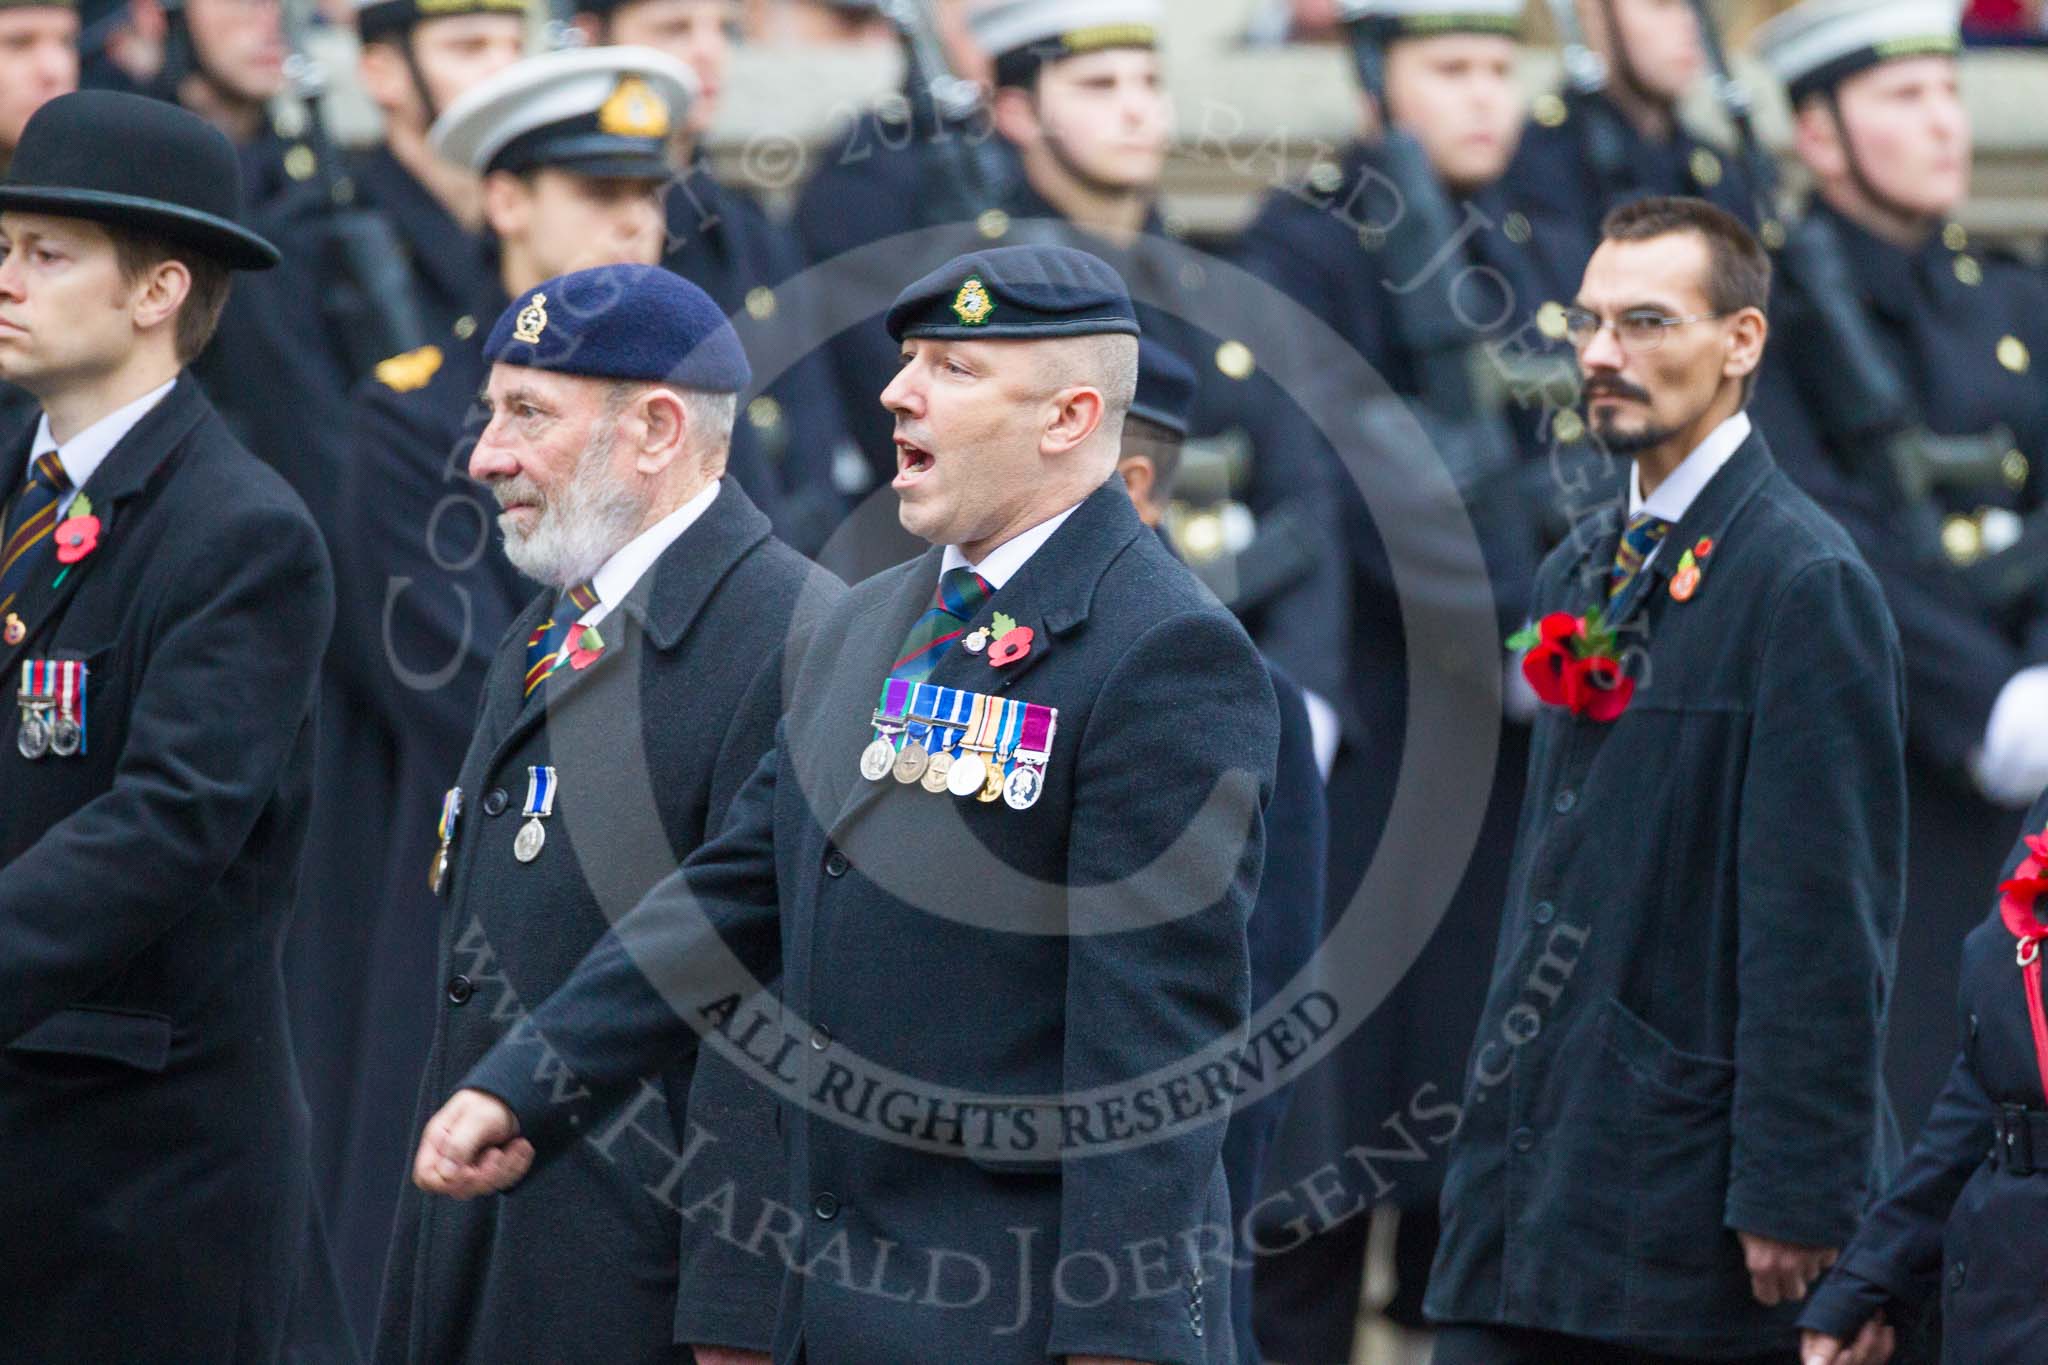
(42, 733)
(968, 775)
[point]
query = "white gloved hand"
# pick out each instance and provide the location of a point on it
(2012, 767)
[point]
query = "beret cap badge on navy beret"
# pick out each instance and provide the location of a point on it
(972, 305)
(532, 321)
(634, 110)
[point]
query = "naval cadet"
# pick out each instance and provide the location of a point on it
(654, 648)
(791, 445)
(1675, 1111)
(1287, 919)
(1003, 851)
(163, 608)
(416, 61)
(1963, 1225)
(1338, 247)
(1882, 128)
(570, 169)
(1589, 149)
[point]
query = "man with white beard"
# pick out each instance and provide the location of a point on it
(654, 649)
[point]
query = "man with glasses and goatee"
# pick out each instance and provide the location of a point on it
(1673, 1112)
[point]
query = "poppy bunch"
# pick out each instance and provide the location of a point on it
(1575, 662)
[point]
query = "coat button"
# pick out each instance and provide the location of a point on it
(1524, 1139)
(821, 1038)
(1545, 912)
(836, 864)
(460, 988)
(495, 803)
(1956, 1275)
(826, 1206)
(1564, 802)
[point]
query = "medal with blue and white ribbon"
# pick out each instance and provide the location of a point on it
(914, 757)
(954, 706)
(540, 804)
(52, 700)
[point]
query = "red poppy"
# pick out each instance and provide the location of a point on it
(1012, 647)
(1545, 666)
(1558, 627)
(1600, 690)
(2025, 888)
(588, 647)
(77, 538)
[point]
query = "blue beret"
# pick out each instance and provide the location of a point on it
(634, 322)
(1166, 386)
(1015, 293)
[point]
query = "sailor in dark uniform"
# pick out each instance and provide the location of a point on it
(1587, 150)
(1882, 128)
(414, 65)
(571, 148)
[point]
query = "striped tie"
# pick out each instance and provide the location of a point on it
(1643, 535)
(960, 596)
(29, 523)
(544, 652)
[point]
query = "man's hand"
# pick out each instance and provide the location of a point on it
(1873, 1346)
(720, 1355)
(471, 1147)
(1782, 1272)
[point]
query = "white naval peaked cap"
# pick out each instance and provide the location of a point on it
(1811, 47)
(604, 111)
(1421, 18)
(1064, 28)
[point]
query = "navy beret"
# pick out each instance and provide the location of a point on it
(632, 322)
(1015, 293)
(1166, 387)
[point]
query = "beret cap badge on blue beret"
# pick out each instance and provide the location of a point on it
(532, 320)
(972, 305)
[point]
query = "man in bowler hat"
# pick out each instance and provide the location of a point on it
(163, 607)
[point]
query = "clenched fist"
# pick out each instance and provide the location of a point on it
(471, 1147)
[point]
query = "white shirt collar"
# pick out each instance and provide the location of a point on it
(84, 453)
(1006, 559)
(626, 568)
(1675, 496)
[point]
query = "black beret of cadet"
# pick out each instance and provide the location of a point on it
(630, 322)
(1015, 293)
(1166, 386)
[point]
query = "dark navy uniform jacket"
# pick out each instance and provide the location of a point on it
(1085, 942)
(451, 270)
(1970, 333)
(1966, 1219)
(1683, 1032)
(792, 435)
(149, 1115)
(648, 745)
(1554, 183)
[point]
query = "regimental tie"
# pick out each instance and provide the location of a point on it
(30, 520)
(1643, 534)
(546, 647)
(960, 597)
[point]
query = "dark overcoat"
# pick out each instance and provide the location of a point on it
(1684, 1028)
(150, 1118)
(686, 695)
(1064, 951)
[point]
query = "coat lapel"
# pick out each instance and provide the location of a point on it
(872, 653)
(125, 473)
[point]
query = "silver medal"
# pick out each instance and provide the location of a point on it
(1021, 789)
(34, 739)
(65, 736)
(969, 772)
(877, 759)
(533, 835)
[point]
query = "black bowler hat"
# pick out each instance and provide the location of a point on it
(139, 164)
